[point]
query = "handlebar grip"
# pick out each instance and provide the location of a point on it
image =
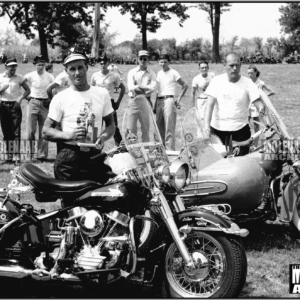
(91, 145)
(257, 134)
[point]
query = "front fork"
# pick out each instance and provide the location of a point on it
(167, 214)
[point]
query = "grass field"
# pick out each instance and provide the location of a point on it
(270, 247)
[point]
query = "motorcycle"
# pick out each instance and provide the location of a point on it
(260, 186)
(95, 236)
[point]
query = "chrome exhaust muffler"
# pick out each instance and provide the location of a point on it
(14, 271)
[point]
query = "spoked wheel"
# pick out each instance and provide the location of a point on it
(219, 271)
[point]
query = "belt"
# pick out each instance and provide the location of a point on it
(41, 99)
(165, 97)
(8, 102)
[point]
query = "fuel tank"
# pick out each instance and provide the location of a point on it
(238, 181)
(121, 195)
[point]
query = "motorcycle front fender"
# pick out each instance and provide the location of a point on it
(207, 220)
(290, 197)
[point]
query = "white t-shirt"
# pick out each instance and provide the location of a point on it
(72, 108)
(233, 102)
(63, 80)
(167, 82)
(200, 83)
(109, 81)
(39, 83)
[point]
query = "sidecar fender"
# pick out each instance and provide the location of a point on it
(205, 220)
(290, 197)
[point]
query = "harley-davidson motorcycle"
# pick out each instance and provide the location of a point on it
(96, 235)
(262, 185)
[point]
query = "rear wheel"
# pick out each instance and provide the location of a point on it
(221, 268)
(296, 218)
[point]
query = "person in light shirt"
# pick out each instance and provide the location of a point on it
(38, 106)
(109, 80)
(199, 84)
(166, 103)
(141, 83)
(11, 96)
(229, 98)
(75, 108)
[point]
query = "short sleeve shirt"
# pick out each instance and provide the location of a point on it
(72, 108)
(109, 81)
(63, 80)
(201, 83)
(167, 82)
(232, 102)
(12, 87)
(39, 83)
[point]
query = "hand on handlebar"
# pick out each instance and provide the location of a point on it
(99, 144)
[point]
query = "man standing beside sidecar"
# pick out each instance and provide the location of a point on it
(229, 98)
(76, 108)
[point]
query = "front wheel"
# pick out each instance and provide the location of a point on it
(220, 268)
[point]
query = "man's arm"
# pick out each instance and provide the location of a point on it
(109, 130)
(194, 96)
(50, 88)
(50, 133)
(26, 92)
(184, 88)
(121, 95)
(131, 82)
(210, 103)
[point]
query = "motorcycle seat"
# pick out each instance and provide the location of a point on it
(46, 184)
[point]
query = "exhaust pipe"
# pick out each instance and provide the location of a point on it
(20, 272)
(14, 271)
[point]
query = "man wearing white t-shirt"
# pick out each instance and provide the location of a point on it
(109, 80)
(229, 99)
(79, 107)
(200, 84)
(38, 106)
(166, 103)
(60, 83)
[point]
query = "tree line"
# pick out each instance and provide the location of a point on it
(62, 25)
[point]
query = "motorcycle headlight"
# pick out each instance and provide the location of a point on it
(179, 174)
(162, 173)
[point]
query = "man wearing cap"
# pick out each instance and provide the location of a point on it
(166, 104)
(38, 105)
(141, 82)
(109, 80)
(11, 96)
(75, 107)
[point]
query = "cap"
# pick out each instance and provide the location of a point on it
(11, 62)
(39, 59)
(103, 58)
(165, 56)
(143, 53)
(74, 56)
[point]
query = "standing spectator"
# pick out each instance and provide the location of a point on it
(61, 82)
(109, 80)
(3, 56)
(253, 74)
(166, 104)
(49, 68)
(10, 102)
(73, 107)
(229, 98)
(114, 68)
(199, 84)
(141, 82)
(38, 106)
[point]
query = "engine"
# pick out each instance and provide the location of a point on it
(86, 243)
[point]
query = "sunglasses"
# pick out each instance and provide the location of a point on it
(143, 58)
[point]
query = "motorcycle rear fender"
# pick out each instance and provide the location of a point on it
(290, 197)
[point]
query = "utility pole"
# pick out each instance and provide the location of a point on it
(96, 35)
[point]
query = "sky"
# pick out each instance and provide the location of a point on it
(243, 20)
